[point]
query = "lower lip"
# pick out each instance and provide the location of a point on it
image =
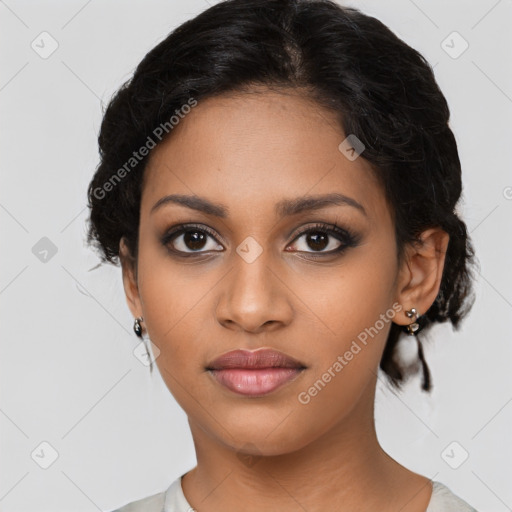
(254, 382)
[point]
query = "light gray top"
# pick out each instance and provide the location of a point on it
(173, 500)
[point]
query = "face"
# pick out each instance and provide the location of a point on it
(291, 247)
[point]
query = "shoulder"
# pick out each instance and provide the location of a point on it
(153, 503)
(171, 499)
(444, 500)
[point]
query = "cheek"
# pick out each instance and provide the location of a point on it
(175, 323)
(175, 301)
(173, 309)
(349, 299)
(354, 305)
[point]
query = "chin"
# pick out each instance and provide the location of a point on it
(264, 439)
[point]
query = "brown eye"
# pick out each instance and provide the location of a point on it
(317, 240)
(189, 239)
(324, 239)
(194, 240)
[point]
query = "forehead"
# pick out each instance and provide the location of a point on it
(251, 150)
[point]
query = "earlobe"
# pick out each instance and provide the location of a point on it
(423, 270)
(131, 289)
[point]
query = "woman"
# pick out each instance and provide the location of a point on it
(279, 183)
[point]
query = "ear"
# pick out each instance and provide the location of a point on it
(421, 272)
(131, 289)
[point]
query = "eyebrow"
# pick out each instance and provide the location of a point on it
(285, 207)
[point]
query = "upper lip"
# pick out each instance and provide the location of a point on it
(247, 359)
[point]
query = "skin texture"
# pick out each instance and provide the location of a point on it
(248, 152)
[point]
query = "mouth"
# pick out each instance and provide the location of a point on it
(254, 373)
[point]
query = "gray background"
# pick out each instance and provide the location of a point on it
(68, 375)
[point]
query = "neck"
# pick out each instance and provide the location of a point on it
(345, 469)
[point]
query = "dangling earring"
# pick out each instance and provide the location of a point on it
(414, 326)
(412, 330)
(137, 328)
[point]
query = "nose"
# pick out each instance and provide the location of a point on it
(254, 297)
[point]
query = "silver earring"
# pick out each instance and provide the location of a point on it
(413, 326)
(137, 328)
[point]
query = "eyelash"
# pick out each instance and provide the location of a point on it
(347, 237)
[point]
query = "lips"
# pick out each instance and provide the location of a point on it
(254, 373)
(246, 359)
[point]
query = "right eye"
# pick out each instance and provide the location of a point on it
(191, 239)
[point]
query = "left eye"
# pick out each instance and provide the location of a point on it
(317, 240)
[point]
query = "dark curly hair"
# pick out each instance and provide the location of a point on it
(381, 90)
